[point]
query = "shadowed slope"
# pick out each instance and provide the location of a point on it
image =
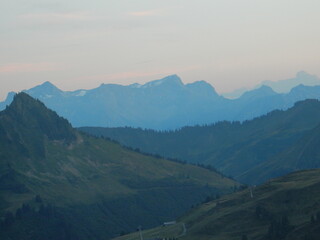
(56, 183)
(285, 208)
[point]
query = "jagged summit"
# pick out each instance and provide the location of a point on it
(28, 114)
(172, 81)
(48, 84)
(45, 90)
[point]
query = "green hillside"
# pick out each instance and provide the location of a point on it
(285, 208)
(234, 148)
(57, 183)
(304, 154)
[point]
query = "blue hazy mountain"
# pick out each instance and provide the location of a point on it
(7, 101)
(282, 86)
(162, 104)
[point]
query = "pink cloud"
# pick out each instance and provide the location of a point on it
(27, 67)
(59, 17)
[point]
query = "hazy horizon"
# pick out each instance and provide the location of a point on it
(229, 44)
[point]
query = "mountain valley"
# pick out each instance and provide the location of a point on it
(58, 183)
(285, 208)
(251, 152)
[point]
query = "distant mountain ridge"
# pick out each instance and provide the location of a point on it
(251, 152)
(162, 104)
(282, 86)
(301, 78)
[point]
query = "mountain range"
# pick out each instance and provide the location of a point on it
(252, 151)
(281, 86)
(58, 183)
(162, 104)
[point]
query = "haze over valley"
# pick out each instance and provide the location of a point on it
(159, 120)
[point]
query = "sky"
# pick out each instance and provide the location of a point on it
(79, 44)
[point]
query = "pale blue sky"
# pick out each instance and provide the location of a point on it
(229, 43)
